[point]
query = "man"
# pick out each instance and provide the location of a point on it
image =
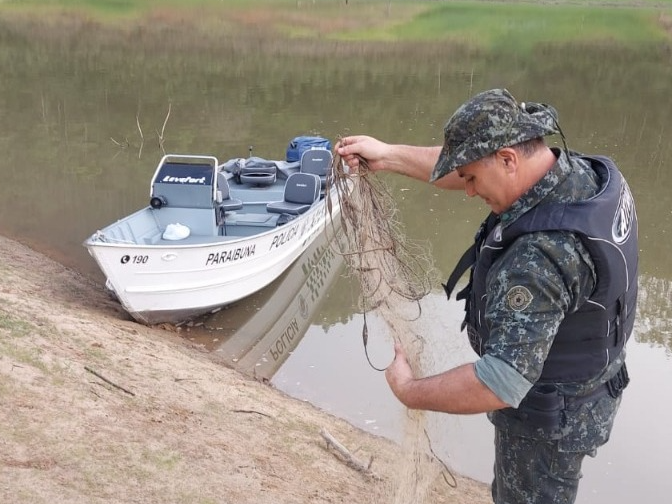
(551, 296)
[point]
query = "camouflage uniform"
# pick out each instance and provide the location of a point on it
(542, 276)
(534, 465)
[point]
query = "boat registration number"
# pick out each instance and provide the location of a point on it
(136, 259)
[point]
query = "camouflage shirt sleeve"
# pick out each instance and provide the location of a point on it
(541, 277)
(504, 381)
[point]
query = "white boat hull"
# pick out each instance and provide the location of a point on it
(156, 283)
(159, 281)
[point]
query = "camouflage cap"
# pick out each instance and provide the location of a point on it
(488, 122)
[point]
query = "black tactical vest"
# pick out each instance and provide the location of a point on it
(590, 338)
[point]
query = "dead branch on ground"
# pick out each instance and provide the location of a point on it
(95, 373)
(343, 454)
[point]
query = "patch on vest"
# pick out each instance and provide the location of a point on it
(519, 298)
(625, 216)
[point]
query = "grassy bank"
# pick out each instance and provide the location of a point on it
(479, 24)
(522, 25)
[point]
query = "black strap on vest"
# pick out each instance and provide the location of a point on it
(469, 258)
(466, 261)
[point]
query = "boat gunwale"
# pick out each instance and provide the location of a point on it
(208, 240)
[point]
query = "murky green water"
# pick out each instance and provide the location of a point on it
(83, 124)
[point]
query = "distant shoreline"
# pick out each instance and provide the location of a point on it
(473, 24)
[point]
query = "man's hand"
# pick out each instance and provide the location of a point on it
(457, 390)
(409, 160)
(399, 374)
(353, 147)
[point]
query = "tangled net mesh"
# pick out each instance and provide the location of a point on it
(388, 263)
(394, 274)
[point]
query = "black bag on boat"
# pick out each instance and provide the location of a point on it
(300, 144)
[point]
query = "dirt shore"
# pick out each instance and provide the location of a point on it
(99, 409)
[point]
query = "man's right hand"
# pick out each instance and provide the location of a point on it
(352, 148)
(409, 160)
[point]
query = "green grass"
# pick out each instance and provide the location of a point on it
(480, 24)
(15, 327)
(12, 329)
(496, 25)
(128, 6)
(103, 7)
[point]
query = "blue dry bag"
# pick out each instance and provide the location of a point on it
(300, 144)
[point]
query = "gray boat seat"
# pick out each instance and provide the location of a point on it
(301, 191)
(224, 199)
(225, 203)
(317, 161)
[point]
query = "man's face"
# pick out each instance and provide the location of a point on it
(491, 179)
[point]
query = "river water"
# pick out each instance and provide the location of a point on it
(84, 122)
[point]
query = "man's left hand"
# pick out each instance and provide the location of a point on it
(399, 374)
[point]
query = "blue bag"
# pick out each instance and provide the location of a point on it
(300, 144)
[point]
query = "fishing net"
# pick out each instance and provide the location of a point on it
(394, 274)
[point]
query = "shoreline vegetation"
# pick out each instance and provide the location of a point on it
(296, 25)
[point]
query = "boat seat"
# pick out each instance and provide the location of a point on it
(301, 191)
(225, 203)
(317, 161)
(224, 199)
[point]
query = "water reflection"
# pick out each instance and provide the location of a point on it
(654, 312)
(257, 334)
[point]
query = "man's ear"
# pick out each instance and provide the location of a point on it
(508, 158)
